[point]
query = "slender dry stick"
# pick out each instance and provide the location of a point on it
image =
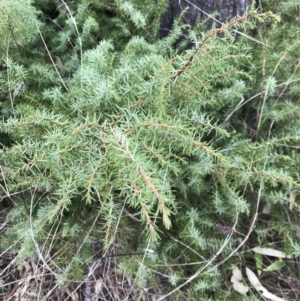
(242, 102)
(200, 270)
(213, 34)
(8, 78)
(263, 95)
(5, 184)
(252, 226)
(79, 39)
(217, 21)
(286, 84)
(54, 65)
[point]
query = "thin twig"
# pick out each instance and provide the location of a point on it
(213, 34)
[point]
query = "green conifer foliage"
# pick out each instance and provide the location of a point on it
(116, 137)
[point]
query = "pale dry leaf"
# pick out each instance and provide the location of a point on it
(2, 225)
(18, 89)
(22, 290)
(297, 230)
(98, 286)
(57, 60)
(148, 250)
(235, 280)
(156, 297)
(34, 266)
(236, 274)
(270, 252)
(260, 289)
(292, 200)
(240, 287)
(27, 267)
(253, 279)
(267, 209)
(271, 296)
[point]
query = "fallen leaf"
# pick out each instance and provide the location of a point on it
(258, 263)
(275, 266)
(235, 280)
(267, 209)
(260, 289)
(270, 252)
(292, 200)
(98, 286)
